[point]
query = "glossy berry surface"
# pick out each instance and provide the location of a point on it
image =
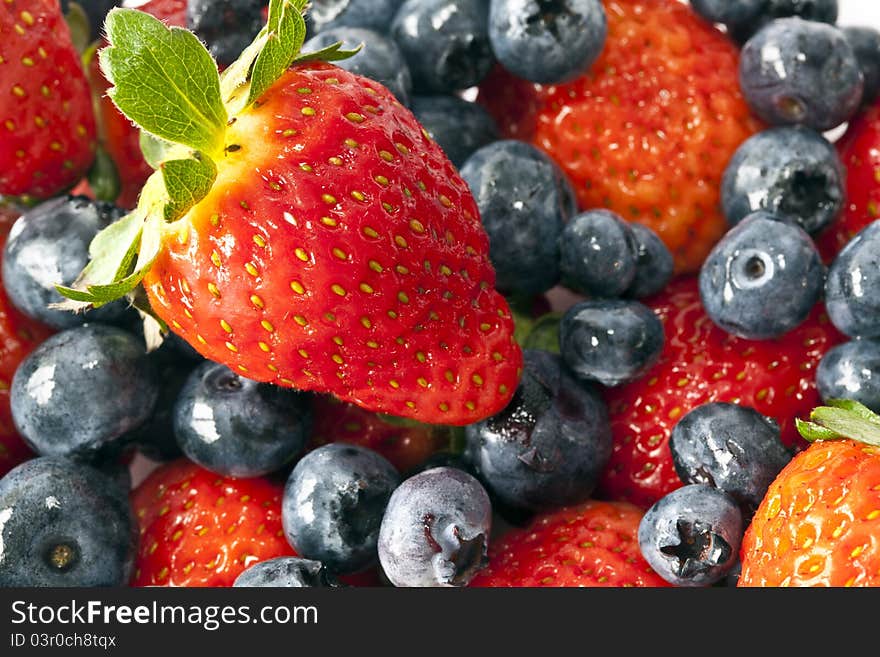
(333, 505)
(598, 254)
(730, 447)
(458, 126)
(691, 537)
(64, 524)
(369, 14)
(544, 41)
(80, 392)
(237, 427)
(654, 263)
(226, 26)
(795, 71)
(524, 199)
(791, 172)
(762, 279)
(852, 291)
(49, 246)
(285, 572)
(822, 11)
(865, 42)
(435, 531)
(612, 342)
(851, 371)
(549, 446)
(728, 12)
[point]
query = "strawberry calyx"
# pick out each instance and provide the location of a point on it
(842, 419)
(165, 81)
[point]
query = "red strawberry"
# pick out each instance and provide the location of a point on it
(647, 131)
(46, 122)
(19, 335)
(406, 444)
(859, 151)
(334, 248)
(200, 529)
(594, 544)
(701, 363)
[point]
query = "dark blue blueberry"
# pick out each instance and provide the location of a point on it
(865, 42)
(445, 42)
(370, 14)
(444, 459)
(380, 59)
(730, 447)
(795, 71)
(286, 572)
(762, 279)
(82, 391)
(524, 200)
(852, 292)
(822, 11)
(64, 524)
(547, 41)
(333, 505)
(237, 427)
(96, 11)
(227, 27)
(793, 173)
(49, 245)
(549, 446)
(691, 537)
(598, 254)
(459, 127)
(435, 531)
(654, 263)
(851, 371)
(612, 342)
(729, 12)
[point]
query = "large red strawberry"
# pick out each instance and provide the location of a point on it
(47, 129)
(859, 150)
(648, 129)
(594, 544)
(701, 363)
(306, 231)
(19, 335)
(819, 522)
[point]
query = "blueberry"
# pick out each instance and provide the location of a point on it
(865, 42)
(851, 371)
(226, 26)
(729, 12)
(795, 71)
(549, 446)
(370, 14)
(286, 572)
(435, 530)
(762, 279)
(445, 42)
(612, 342)
(49, 245)
(459, 127)
(654, 263)
(333, 505)
(691, 537)
(237, 427)
(81, 391)
(380, 59)
(524, 199)
(792, 172)
(64, 524)
(822, 11)
(852, 292)
(598, 254)
(547, 41)
(730, 447)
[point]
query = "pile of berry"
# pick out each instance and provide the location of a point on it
(439, 293)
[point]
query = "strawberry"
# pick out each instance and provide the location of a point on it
(406, 444)
(859, 151)
(819, 521)
(19, 335)
(305, 231)
(646, 132)
(46, 121)
(200, 529)
(701, 363)
(594, 544)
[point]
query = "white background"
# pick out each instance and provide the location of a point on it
(859, 12)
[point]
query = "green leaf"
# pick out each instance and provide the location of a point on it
(812, 432)
(853, 406)
(187, 182)
(164, 80)
(286, 32)
(78, 23)
(842, 418)
(156, 151)
(103, 177)
(332, 53)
